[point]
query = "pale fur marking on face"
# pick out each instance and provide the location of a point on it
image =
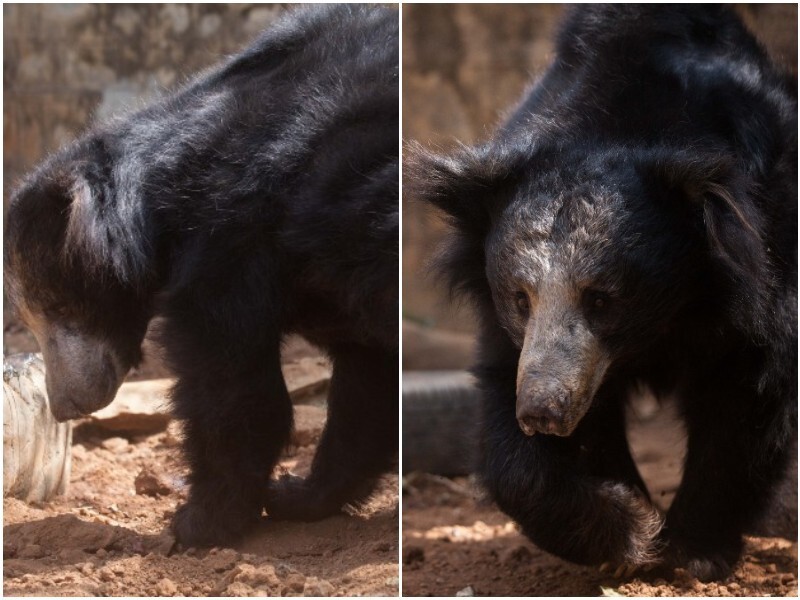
(555, 339)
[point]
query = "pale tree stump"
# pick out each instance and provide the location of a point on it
(36, 447)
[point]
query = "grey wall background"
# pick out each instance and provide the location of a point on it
(463, 66)
(64, 64)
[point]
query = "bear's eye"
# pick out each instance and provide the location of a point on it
(596, 301)
(521, 300)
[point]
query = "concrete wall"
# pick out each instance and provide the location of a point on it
(64, 64)
(463, 66)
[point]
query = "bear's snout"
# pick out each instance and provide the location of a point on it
(82, 373)
(543, 407)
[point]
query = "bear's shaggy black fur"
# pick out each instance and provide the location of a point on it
(634, 221)
(261, 199)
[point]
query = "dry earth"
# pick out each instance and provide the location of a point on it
(454, 541)
(108, 535)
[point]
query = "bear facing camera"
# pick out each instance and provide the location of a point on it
(259, 200)
(633, 222)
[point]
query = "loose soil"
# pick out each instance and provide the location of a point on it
(108, 535)
(454, 540)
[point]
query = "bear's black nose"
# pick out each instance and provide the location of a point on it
(534, 418)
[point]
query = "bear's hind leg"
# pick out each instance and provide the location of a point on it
(737, 453)
(359, 443)
(237, 419)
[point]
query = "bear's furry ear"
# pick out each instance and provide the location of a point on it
(464, 184)
(107, 227)
(714, 187)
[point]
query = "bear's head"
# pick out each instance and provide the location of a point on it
(588, 258)
(70, 275)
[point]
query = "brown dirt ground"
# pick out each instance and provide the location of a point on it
(454, 539)
(104, 539)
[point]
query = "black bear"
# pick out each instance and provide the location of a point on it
(633, 221)
(259, 200)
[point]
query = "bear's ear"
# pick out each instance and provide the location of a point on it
(107, 229)
(466, 184)
(715, 189)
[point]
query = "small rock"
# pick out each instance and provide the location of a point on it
(32, 551)
(101, 553)
(263, 576)
(466, 592)
(166, 587)
(139, 406)
(222, 560)
(106, 574)
(771, 568)
(86, 568)
(249, 580)
(295, 582)
(186, 590)
(117, 445)
(148, 483)
(237, 589)
(414, 554)
(317, 587)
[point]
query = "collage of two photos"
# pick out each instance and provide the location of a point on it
(400, 300)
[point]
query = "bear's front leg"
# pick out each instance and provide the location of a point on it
(359, 442)
(738, 449)
(237, 418)
(578, 497)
